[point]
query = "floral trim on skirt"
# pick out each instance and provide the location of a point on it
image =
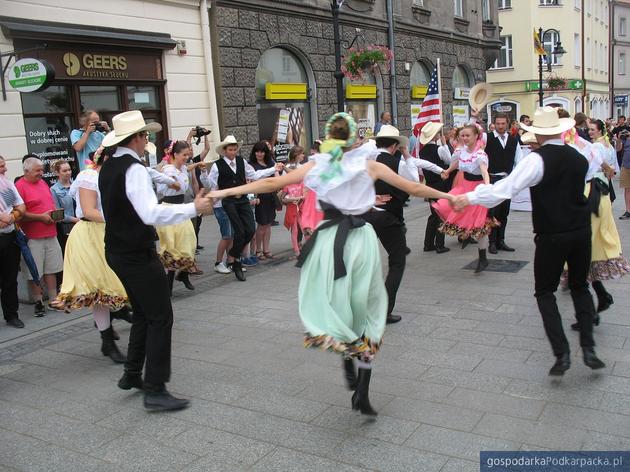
(170, 262)
(362, 349)
(451, 229)
(67, 302)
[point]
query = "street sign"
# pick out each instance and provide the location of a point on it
(575, 84)
(31, 75)
(621, 99)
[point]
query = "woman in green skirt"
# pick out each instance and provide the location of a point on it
(342, 297)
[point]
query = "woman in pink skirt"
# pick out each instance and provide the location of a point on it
(473, 222)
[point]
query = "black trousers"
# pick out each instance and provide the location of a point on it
(552, 252)
(240, 213)
(9, 265)
(197, 225)
(432, 237)
(142, 275)
(391, 233)
(500, 212)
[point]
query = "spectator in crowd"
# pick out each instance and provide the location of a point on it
(261, 158)
(623, 147)
(88, 138)
(61, 197)
(386, 119)
(525, 120)
(196, 175)
(621, 125)
(41, 231)
(581, 126)
(11, 210)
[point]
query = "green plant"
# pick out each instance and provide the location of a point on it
(357, 61)
(555, 82)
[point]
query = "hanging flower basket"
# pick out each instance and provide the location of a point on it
(359, 61)
(555, 83)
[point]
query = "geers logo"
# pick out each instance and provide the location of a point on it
(96, 65)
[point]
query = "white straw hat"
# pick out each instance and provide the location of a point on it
(391, 132)
(480, 95)
(546, 122)
(429, 131)
(229, 139)
(126, 124)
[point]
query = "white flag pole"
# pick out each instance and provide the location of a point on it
(439, 78)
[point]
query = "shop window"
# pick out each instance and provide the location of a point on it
(283, 122)
(55, 99)
(143, 97)
(100, 98)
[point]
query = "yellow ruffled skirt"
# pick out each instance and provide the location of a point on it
(87, 279)
(177, 246)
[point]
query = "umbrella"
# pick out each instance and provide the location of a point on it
(22, 242)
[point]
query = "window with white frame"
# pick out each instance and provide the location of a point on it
(550, 39)
(418, 3)
(596, 57)
(547, 3)
(622, 26)
(621, 68)
(504, 4)
(459, 8)
(588, 53)
(606, 59)
(485, 11)
(577, 50)
(577, 4)
(504, 61)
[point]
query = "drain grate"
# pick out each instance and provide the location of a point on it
(500, 265)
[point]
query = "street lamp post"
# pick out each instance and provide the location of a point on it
(335, 4)
(558, 50)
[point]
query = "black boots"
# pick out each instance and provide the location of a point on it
(237, 268)
(563, 362)
(360, 400)
(109, 348)
(482, 263)
(604, 299)
(170, 275)
(130, 380)
(157, 398)
(183, 277)
(351, 375)
(123, 314)
(591, 360)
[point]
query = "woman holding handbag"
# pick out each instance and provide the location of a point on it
(265, 212)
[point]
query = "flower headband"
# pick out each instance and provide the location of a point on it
(334, 146)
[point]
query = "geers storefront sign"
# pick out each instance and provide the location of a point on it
(96, 66)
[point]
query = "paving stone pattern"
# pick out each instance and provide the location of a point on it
(465, 371)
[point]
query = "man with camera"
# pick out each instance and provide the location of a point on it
(89, 137)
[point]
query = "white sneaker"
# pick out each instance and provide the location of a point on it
(221, 268)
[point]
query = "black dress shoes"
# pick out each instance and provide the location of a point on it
(576, 326)
(391, 319)
(161, 400)
(237, 268)
(442, 249)
(504, 247)
(591, 360)
(15, 322)
(562, 364)
(429, 248)
(492, 248)
(130, 380)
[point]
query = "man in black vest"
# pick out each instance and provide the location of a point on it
(131, 210)
(503, 151)
(441, 157)
(229, 171)
(387, 218)
(555, 174)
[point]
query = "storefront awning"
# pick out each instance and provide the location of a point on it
(18, 28)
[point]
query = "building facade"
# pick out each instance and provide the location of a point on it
(264, 44)
(619, 70)
(582, 28)
(111, 57)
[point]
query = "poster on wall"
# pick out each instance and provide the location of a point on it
(504, 107)
(364, 113)
(415, 112)
(283, 128)
(49, 139)
(461, 115)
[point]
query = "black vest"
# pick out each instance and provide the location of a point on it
(124, 230)
(501, 159)
(395, 205)
(429, 152)
(229, 179)
(558, 201)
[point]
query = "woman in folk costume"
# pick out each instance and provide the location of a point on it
(177, 242)
(342, 297)
(607, 261)
(473, 222)
(87, 279)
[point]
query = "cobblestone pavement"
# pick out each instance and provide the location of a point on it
(466, 370)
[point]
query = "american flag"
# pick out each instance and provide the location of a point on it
(431, 107)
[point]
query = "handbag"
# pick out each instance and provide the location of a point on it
(277, 202)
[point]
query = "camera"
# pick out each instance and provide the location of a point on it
(98, 127)
(200, 133)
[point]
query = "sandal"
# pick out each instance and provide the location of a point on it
(261, 256)
(268, 255)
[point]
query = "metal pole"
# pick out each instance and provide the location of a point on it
(540, 71)
(392, 66)
(337, 40)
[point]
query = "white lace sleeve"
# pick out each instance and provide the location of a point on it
(87, 179)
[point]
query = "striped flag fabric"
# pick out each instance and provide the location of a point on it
(539, 49)
(431, 108)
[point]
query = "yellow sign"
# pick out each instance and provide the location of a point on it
(354, 91)
(419, 91)
(96, 65)
(285, 91)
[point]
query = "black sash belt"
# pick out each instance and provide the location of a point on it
(344, 224)
(174, 199)
(598, 188)
(472, 177)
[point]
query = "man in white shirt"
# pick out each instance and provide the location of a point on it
(131, 211)
(231, 170)
(561, 217)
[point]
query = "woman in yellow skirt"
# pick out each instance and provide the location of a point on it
(87, 279)
(177, 242)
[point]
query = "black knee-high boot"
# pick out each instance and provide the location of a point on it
(171, 278)
(360, 399)
(604, 299)
(109, 348)
(482, 263)
(183, 277)
(350, 373)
